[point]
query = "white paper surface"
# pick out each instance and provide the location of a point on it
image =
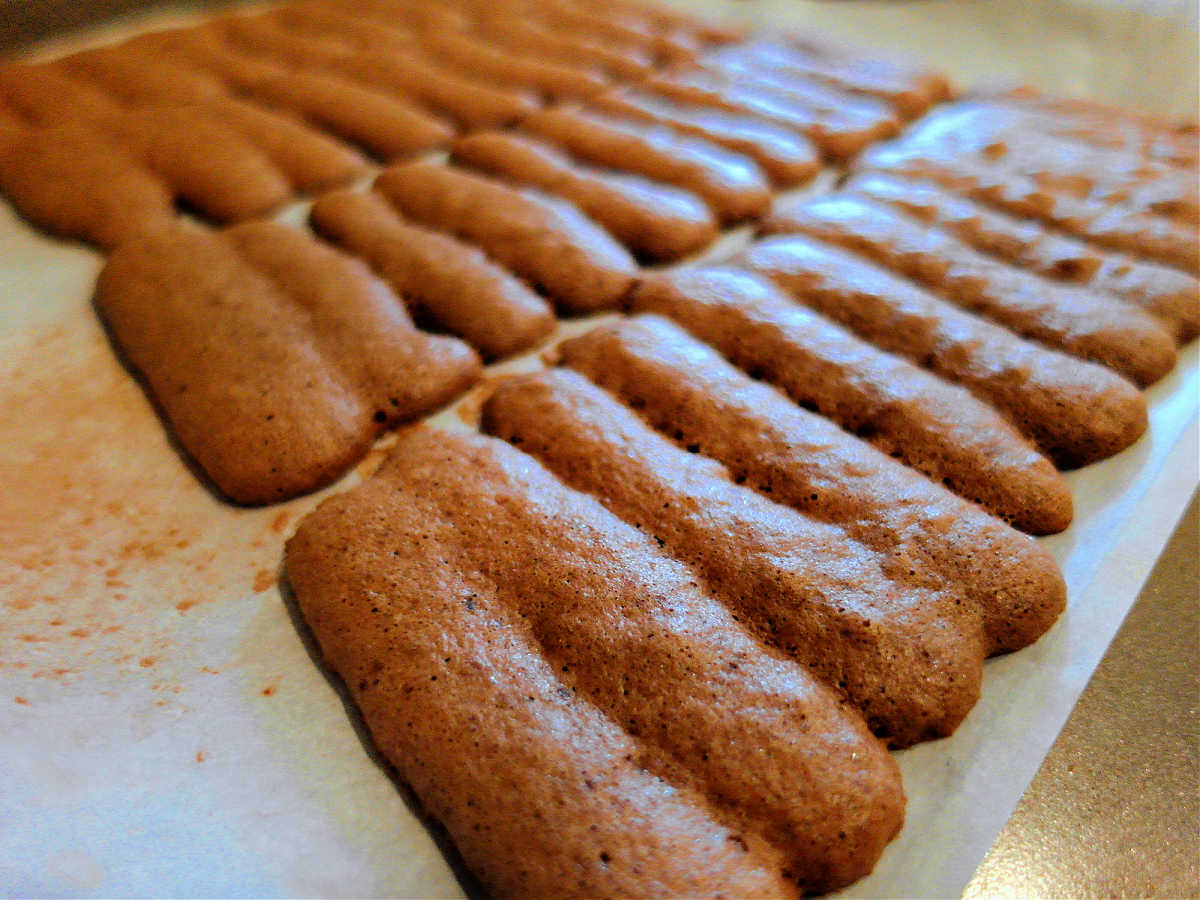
(163, 729)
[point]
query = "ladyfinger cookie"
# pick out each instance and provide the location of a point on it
(518, 35)
(620, 30)
(1114, 225)
(786, 155)
(209, 166)
(654, 220)
(547, 242)
(935, 427)
(1173, 297)
(72, 182)
(924, 533)
(907, 657)
(450, 284)
(377, 121)
(276, 359)
(733, 185)
(840, 133)
(598, 692)
(1085, 323)
(384, 58)
(554, 81)
(1073, 411)
(1009, 138)
(386, 126)
(1105, 126)
(45, 95)
(910, 90)
(137, 76)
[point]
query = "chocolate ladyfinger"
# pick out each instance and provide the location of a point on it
(786, 155)
(910, 90)
(1173, 297)
(137, 76)
(924, 533)
(732, 185)
(547, 242)
(443, 281)
(1006, 137)
(935, 427)
(375, 120)
(45, 94)
(1114, 225)
(840, 133)
(908, 657)
(618, 29)
(597, 692)
(73, 183)
(1105, 126)
(518, 35)
(208, 165)
(1074, 411)
(1085, 323)
(386, 59)
(477, 58)
(276, 359)
(654, 220)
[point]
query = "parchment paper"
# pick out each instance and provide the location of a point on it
(163, 729)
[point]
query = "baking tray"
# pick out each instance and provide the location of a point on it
(164, 729)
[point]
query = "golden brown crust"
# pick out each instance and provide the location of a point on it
(937, 428)
(921, 530)
(501, 690)
(1084, 323)
(654, 220)
(908, 658)
(1074, 411)
(294, 358)
(443, 281)
(548, 243)
(732, 185)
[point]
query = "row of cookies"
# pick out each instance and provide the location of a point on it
(644, 651)
(233, 117)
(1049, 359)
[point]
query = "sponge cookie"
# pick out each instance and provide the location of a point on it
(442, 280)
(654, 220)
(1074, 411)
(785, 155)
(1173, 297)
(732, 185)
(276, 360)
(547, 242)
(578, 714)
(925, 535)
(1084, 323)
(924, 153)
(908, 657)
(937, 428)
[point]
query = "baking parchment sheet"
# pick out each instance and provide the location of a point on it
(164, 729)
